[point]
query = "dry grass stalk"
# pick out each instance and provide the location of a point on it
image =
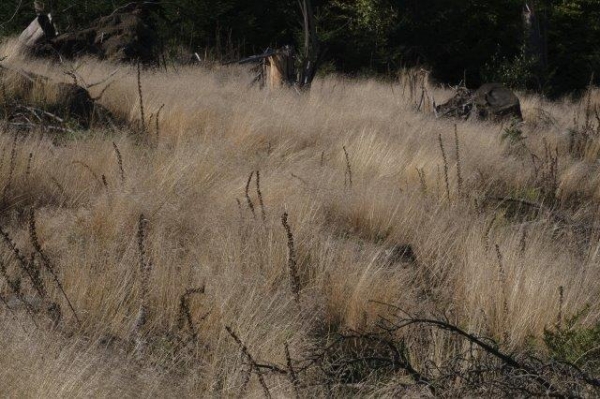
(158, 123)
(260, 197)
(422, 180)
(487, 231)
(58, 185)
(2, 157)
(15, 287)
(247, 193)
(300, 179)
(145, 268)
(348, 172)
(34, 275)
(561, 304)
(88, 168)
(523, 241)
(28, 170)
(11, 168)
(291, 372)
(445, 166)
(503, 282)
(120, 162)
(251, 361)
(459, 177)
(46, 262)
(141, 98)
(185, 314)
(292, 262)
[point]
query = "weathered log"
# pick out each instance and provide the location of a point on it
(40, 29)
(126, 35)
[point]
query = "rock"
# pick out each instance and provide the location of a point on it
(494, 100)
(491, 101)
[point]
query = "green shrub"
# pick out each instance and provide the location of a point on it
(576, 344)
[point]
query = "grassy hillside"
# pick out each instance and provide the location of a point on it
(503, 239)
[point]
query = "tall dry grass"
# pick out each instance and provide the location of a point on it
(493, 270)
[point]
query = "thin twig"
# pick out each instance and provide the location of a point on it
(251, 360)
(141, 98)
(247, 193)
(260, 197)
(292, 263)
(348, 173)
(291, 373)
(46, 261)
(445, 166)
(458, 166)
(120, 162)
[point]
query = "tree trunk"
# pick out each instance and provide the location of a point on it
(310, 52)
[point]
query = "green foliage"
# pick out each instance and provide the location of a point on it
(518, 72)
(480, 40)
(575, 344)
(513, 134)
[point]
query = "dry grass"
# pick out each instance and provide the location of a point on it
(214, 131)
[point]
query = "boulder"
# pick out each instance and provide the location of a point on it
(491, 101)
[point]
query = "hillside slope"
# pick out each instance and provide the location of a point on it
(497, 237)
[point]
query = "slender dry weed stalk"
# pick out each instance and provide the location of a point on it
(422, 180)
(445, 166)
(502, 281)
(251, 361)
(158, 123)
(260, 197)
(523, 241)
(247, 193)
(561, 304)
(292, 262)
(28, 170)
(145, 268)
(348, 173)
(150, 119)
(2, 157)
(301, 180)
(46, 261)
(11, 168)
(141, 98)
(120, 162)
(105, 183)
(34, 276)
(459, 178)
(15, 286)
(58, 185)
(185, 314)
(291, 372)
(487, 231)
(245, 382)
(88, 168)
